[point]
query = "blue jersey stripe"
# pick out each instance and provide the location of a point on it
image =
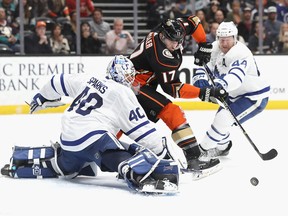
(266, 89)
(82, 139)
(145, 134)
(52, 84)
(63, 85)
(137, 127)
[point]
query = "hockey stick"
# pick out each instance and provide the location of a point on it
(267, 156)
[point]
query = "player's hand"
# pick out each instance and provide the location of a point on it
(220, 83)
(213, 94)
(200, 79)
(203, 54)
(39, 102)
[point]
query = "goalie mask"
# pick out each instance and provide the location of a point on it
(121, 70)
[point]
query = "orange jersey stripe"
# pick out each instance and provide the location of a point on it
(189, 91)
(151, 98)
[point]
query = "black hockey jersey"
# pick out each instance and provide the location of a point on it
(155, 64)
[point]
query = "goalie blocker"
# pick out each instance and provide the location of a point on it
(143, 171)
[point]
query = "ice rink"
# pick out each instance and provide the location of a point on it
(228, 192)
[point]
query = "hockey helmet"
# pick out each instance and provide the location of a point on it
(173, 30)
(227, 29)
(121, 70)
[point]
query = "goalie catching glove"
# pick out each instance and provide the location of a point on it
(203, 54)
(213, 94)
(39, 102)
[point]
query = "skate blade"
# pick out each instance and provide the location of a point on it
(199, 174)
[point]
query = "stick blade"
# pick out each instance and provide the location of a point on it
(270, 155)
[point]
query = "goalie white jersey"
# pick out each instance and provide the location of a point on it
(237, 72)
(100, 105)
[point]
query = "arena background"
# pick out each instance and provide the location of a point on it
(21, 77)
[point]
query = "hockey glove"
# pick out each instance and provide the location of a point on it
(203, 54)
(200, 79)
(39, 102)
(221, 83)
(213, 94)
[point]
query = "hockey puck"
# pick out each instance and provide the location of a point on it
(254, 181)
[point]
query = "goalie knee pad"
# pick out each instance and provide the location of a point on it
(31, 162)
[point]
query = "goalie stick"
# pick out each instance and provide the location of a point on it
(266, 156)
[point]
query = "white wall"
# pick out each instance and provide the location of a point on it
(21, 77)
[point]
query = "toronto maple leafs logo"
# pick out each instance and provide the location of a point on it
(36, 170)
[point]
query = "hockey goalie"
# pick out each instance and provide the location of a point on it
(101, 107)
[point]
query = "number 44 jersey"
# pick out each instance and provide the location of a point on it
(100, 105)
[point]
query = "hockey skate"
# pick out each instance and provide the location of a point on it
(202, 167)
(216, 152)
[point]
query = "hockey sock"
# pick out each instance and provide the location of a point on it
(186, 140)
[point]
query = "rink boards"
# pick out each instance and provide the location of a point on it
(21, 78)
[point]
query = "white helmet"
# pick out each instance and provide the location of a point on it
(121, 70)
(227, 29)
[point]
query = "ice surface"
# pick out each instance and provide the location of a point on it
(228, 192)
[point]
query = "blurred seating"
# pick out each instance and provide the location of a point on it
(49, 22)
(4, 49)
(62, 20)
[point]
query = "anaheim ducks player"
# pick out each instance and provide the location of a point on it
(157, 60)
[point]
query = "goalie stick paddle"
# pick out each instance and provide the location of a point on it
(266, 156)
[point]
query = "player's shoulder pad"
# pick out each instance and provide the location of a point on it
(239, 51)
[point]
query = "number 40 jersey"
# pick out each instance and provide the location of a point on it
(99, 106)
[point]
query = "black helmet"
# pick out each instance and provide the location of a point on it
(173, 30)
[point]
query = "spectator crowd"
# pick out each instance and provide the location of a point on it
(244, 13)
(50, 26)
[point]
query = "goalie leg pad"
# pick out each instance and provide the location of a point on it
(145, 160)
(32, 162)
(167, 170)
(145, 172)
